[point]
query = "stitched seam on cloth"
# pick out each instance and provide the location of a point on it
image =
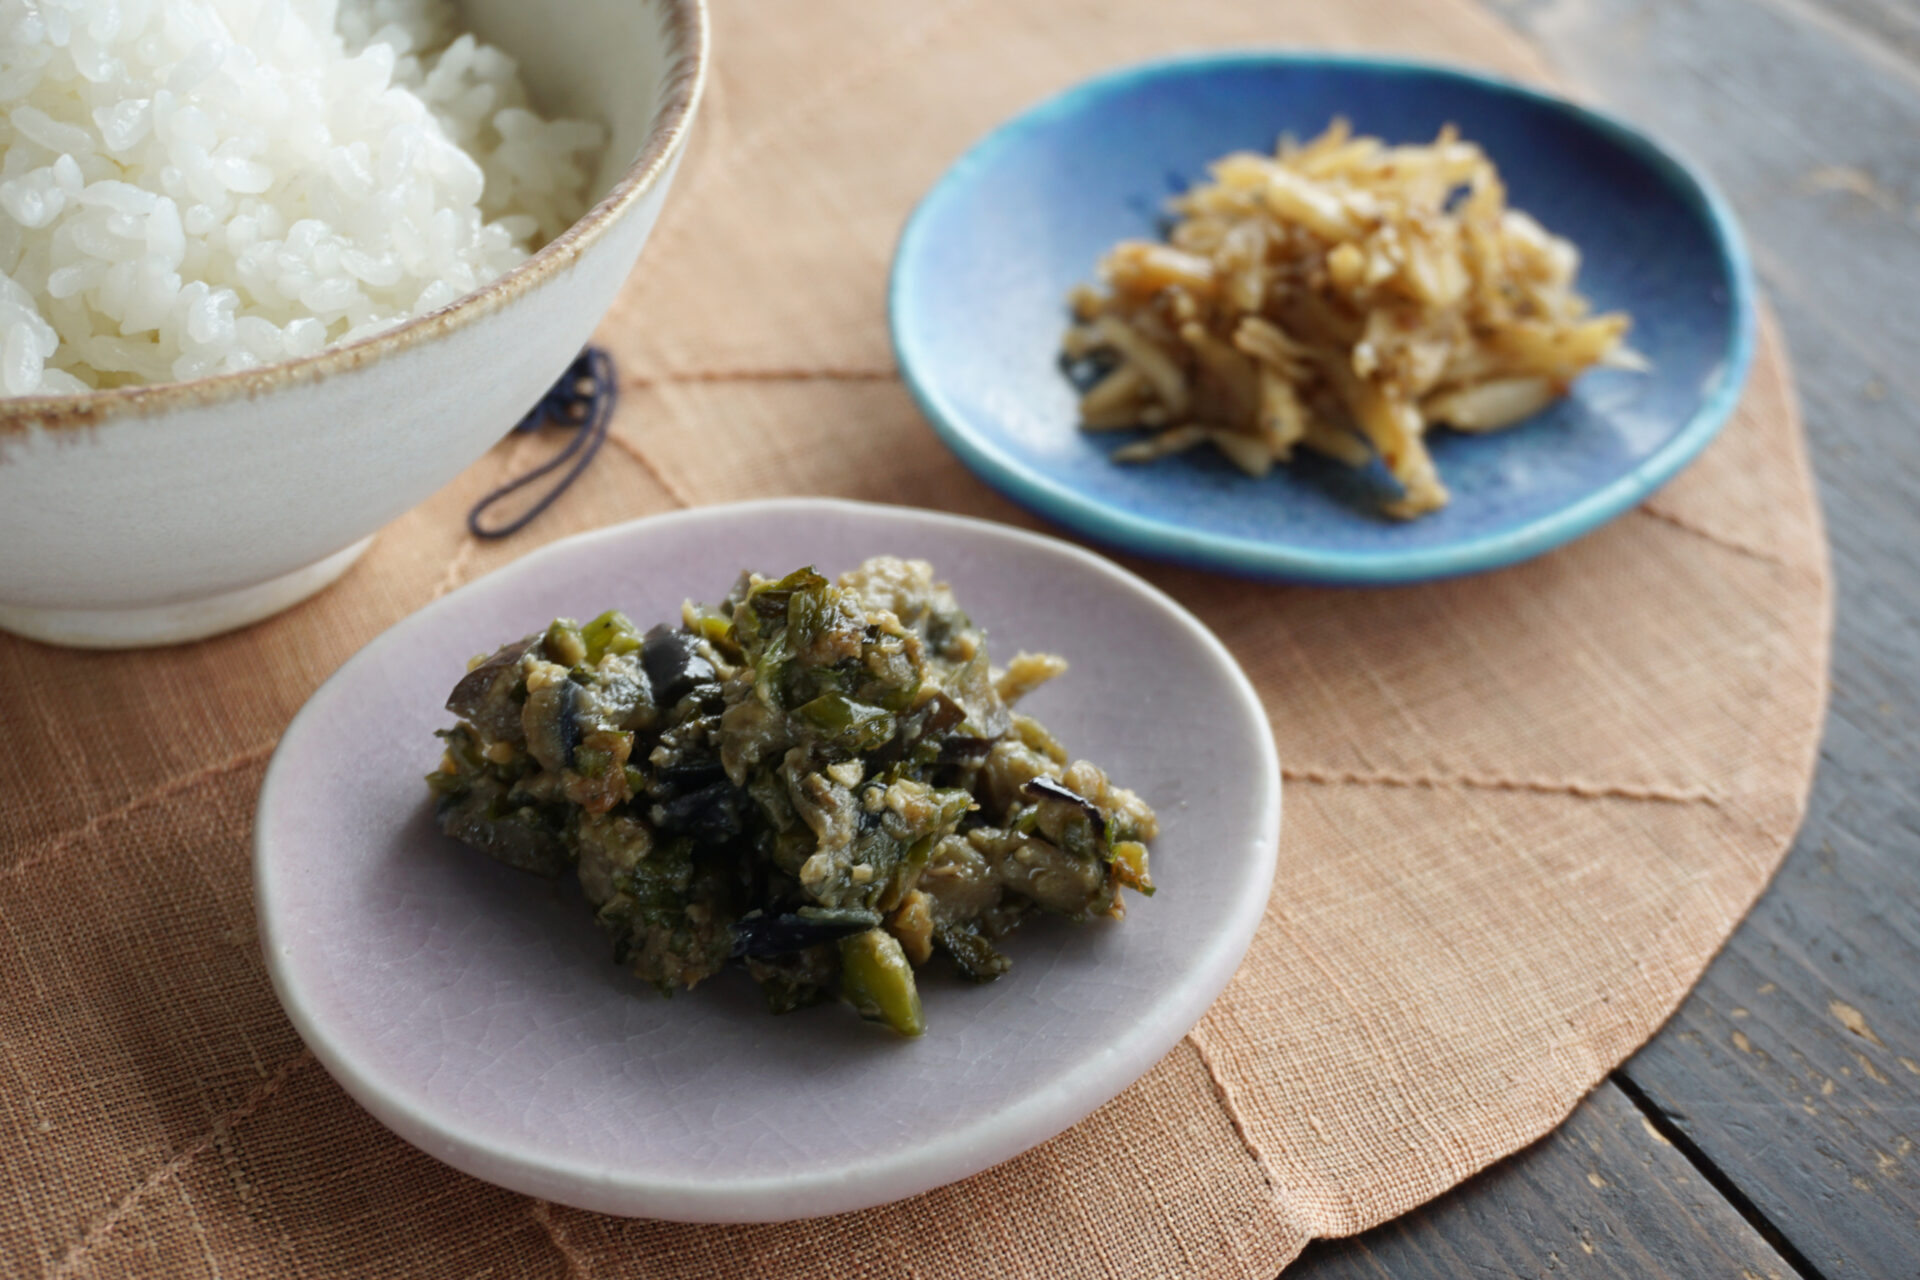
(643, 382)
(1582, 788)
(104, 1225)
(577, 1265)
(1717, 539)
(455, 567)
(1224, 1095)
(1441, 1138)
(647, 465)
(858, 374)
(165, 790)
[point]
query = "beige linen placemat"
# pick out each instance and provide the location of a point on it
(1523, 810)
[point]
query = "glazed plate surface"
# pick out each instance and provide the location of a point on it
(984, 265)
(478, 1013)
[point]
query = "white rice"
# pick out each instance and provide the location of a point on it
(193, 187)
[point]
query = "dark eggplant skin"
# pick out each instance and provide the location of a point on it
(518, 839)
(484, 696)
(686, 775)
(761, 937)
(551, 724)
(1045, 788)
(673, 663)
(714, 814)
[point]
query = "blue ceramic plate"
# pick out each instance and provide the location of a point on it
(984, 266)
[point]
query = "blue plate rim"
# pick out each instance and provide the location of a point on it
(1265, 559)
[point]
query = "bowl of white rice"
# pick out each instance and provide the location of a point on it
(273, 271)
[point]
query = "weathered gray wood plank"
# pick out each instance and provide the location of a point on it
(1605, 1195)
(1794, 1069)
(1890, 25)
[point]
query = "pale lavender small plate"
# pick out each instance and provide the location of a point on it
(477, 1012)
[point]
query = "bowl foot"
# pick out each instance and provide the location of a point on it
(182, 620)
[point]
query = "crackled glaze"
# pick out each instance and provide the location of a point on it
(477, 1010)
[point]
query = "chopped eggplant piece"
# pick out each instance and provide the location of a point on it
(520, 837)
(551, 724)
(1044, 788)
(674, 664)
(714, 814)
(619, 695)
(485, 699)
(764, 936)
(690, 773)
(816, 782)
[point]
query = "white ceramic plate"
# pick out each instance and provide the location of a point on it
(477, 1012)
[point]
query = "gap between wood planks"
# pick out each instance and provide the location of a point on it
(1674, 1136)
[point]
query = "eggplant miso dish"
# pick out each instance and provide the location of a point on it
(824, 783)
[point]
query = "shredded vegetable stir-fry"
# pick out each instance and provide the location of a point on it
(1342, 296)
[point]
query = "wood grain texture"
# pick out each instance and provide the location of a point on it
(1603, 1196)
(1794, 1069)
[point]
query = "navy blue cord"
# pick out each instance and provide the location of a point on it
(583, 400)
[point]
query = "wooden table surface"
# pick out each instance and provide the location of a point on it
(1772, 1129)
